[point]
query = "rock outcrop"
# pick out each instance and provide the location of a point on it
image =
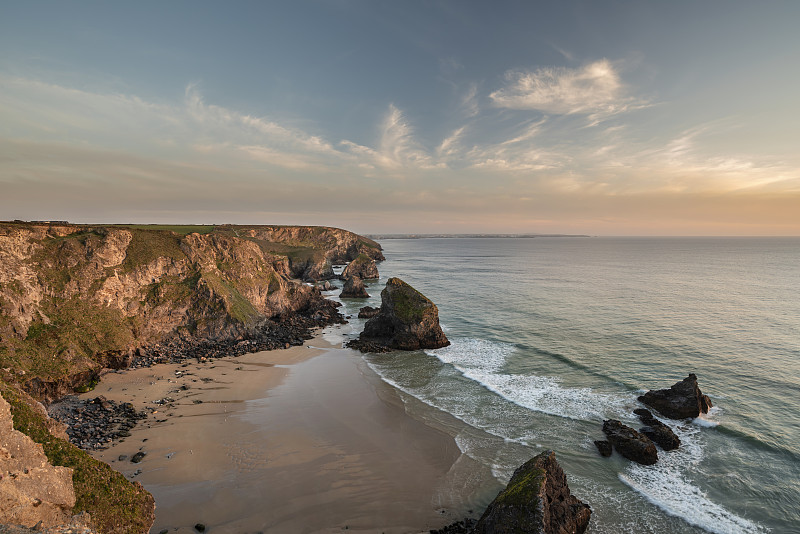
(363, 267)
(658, 432)
(681, 401)
(630, 443)
(368, 312)
(407, 320)
(31, 489)
(354, 289)
(537, 500)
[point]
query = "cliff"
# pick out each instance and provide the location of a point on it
(77, 298)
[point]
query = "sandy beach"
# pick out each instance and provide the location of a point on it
(306, 439)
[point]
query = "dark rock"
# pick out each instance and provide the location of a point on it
(465, 526)
(604, 447)
(661, 434)
(536, 500)
(122, 457)
(200, 527)
(407, 320)
(354, 289)
(630, 443)
(363, 267)
(368, 312)
(681, 401)
(136, 458)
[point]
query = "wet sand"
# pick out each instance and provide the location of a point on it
(301, 440)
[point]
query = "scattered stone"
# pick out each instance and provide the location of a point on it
(200, 527)
(122, 457)
(604, 447)
(661, 434)
(630, 443)
(681, 401)
(407, 320)
(95, 424)
(538, 500)
(138, 457)
(354, 289)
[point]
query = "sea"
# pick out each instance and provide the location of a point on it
(552, 335)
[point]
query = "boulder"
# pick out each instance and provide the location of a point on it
(354, 289)
(536, 500)
(362, 266)
(368, 312)
(407, 320)
(658, 432)
(630, 443)
(681, 401)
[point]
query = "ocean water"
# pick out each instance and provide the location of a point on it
(552, 335)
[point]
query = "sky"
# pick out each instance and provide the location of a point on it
(600, 118)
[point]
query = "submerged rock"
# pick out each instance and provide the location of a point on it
(630, 443)
(354, 289)
(363, 267)
(681, 401)
(603, 447)
(661, 434)
(407, 320)
(536, 500)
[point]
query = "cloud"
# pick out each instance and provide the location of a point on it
(72, 154)
(591, 89)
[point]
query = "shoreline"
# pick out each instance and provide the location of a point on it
(306, 439)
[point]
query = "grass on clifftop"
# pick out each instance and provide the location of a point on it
(115, 504)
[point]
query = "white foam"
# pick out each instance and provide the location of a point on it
(678, 497)
(483, 361)
(708, 420)
(666, 486)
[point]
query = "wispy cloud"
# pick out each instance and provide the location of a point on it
(593, 89)
(498, 163)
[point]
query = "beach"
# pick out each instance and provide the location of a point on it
(306, 439)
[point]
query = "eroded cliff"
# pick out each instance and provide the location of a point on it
(77, 298)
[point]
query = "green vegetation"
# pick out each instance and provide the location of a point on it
(180, 229)
(148, 245)
(115, 504)
(524, 489)
(77, 332)
(409, 304)
(239, 308)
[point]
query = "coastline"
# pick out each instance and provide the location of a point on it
(306, 439)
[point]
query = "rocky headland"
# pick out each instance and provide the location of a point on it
(407, 320)
(77, 300)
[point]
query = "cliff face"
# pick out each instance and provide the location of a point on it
(74, 298)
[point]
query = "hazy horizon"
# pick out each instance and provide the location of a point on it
(624, 119)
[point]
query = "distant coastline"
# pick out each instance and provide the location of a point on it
(457, 236)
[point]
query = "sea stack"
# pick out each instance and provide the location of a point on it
(363, 267)
(407, 320)
(536, 500)
(354, 289)
(681, 401)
